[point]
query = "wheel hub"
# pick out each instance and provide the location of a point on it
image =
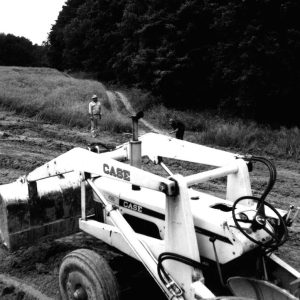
(76, 292)
(80, 294)
(260, 220)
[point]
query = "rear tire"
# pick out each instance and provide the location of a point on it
(85, 275)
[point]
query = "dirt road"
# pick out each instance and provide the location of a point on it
(27, 143)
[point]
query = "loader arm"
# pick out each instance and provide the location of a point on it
(46, 202)
(178, 209)
(81, 160)
(229, 164)
(155, 145)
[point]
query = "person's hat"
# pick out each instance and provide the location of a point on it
(94, 97)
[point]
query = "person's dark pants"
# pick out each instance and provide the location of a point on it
(179, 135)
(95, 125)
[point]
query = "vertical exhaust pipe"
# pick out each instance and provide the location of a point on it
(136, 145)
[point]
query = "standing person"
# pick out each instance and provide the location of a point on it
(178, 127)
(95, 114)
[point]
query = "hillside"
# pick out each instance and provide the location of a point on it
(54, 96)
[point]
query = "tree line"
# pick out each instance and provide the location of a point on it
(19, 51)
(235, 56)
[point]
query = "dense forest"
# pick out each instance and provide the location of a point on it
(237, 56)
(19, 51)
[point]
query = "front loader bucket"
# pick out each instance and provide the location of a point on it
(48, 208)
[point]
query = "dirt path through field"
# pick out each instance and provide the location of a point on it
(121, 97)
(27, 143)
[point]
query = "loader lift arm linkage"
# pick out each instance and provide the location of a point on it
(86, 162)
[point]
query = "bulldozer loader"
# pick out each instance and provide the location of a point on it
(194, 244)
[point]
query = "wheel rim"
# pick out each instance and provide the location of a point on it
(85, 275)
(80, 294)
(77, 287)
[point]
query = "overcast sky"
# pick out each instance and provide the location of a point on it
(29, 18)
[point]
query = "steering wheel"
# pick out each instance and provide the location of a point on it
(276, 229)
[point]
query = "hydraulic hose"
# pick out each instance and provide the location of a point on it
(272, 172)
(272, 178)
(174, 256)
(261, 200)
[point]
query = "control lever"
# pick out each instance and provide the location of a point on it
(289, 218)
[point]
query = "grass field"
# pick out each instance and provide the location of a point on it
(248, 136)
(54, 96)
(208, 128)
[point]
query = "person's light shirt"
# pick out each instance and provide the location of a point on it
(95, 108)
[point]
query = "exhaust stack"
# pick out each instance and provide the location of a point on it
(136, 145)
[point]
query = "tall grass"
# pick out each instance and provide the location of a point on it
(54, 96)
(207, 128)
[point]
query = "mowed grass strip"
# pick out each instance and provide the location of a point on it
(53, 96)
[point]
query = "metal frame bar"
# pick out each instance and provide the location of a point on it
(89, 162)
(211, 174)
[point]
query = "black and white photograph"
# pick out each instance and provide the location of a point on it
(149, 149)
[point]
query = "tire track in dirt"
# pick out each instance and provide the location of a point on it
(121, 97)
(117, 108)
(111, 96)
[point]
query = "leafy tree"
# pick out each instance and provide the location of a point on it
(19, 51)
(56, 41)
(235, 56)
